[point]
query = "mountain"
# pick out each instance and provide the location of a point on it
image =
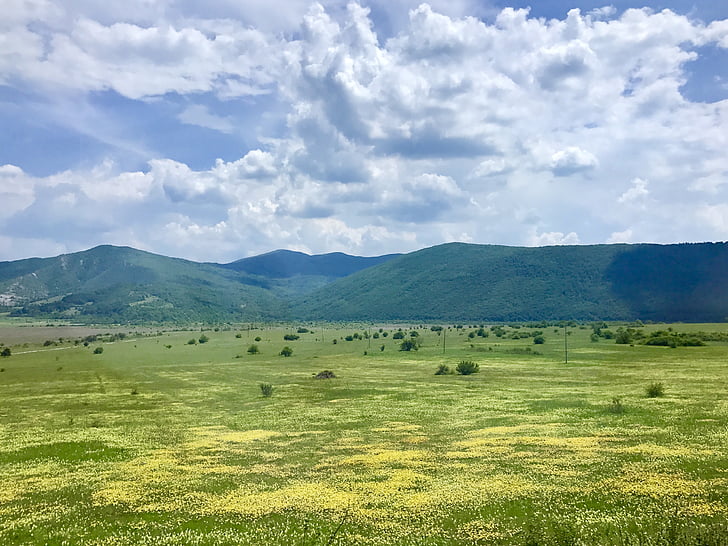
(450, 282)
(291, 273)
(121, 284)
(453, 282)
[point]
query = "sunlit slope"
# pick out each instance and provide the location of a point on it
(456, 281)
(110, 283)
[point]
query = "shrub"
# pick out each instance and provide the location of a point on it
(257, 338)
(6, 352)
(382, 348)
(266, 389)
(539, 340)
(134, 391)
(291, 337)
(325, 374)
(192, 341)
(398, 335)
(98, 350)
(349, 338)
(286, 351)
(253, 349)
(408, 345)
(615, 405)
(467, 367)
(385, 334)
(238, 335)
(204, 339)
(302, 330)
(443, 369)
(655, 390)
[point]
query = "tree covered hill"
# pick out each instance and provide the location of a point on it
(459, 281)
(450, 282)
(121, 284)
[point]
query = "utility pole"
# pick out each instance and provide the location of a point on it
(443, 339)
(566, 345)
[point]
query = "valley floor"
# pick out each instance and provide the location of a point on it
(159, 438)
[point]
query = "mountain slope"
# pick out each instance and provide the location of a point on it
(290, 273)
(122, 284)
(482, 282)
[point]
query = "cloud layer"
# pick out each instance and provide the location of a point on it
(514, 131)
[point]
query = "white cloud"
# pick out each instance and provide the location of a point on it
(621, 236)
(572, 160)
(198, 114)
(552, 238)
(441, 127)
(637, 192)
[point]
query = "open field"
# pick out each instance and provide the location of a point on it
(157, 441)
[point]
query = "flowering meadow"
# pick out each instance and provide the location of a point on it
(166, 437)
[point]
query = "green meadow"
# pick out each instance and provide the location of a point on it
(160, 439)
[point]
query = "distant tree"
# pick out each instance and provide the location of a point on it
(204, 339)
(253, 349)
(257, 338)
(408, 345)
(98, 350)
(539, 340)
(467, 367)
(192, 341)
(286, 351)
(5, 352)
(398, 335)
(290, 337)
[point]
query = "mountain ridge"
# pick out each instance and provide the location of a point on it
(448, 282)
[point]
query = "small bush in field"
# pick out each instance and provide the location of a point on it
(98, 350)
(266, 389)
(655, 390)
(253, 349)
(286, 351)
(467, 367)
(443, 369)
(616, 406)
(326, 374)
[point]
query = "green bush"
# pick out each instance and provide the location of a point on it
(266, 389)
(443, 369)
(253, 349)
(326, 374)
(192, 341)
(98, 350)
(204, 339)
(291, 337)
(408, 345)
(467, 367)
(286, 351)
(615, 405)
(398, 335)
(655, 390)
(6, 352)
(539, 340)
(257, 338)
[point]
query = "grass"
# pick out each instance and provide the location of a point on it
(528, 451)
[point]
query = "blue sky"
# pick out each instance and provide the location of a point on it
(219, 129)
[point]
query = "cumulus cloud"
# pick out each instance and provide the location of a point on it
(637, 192)
(441, 126)
(572, 160)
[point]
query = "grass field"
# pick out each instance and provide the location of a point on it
(157, 441)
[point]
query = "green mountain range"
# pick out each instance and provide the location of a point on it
(450, 282)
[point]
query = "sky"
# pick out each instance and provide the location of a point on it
(218, 129)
